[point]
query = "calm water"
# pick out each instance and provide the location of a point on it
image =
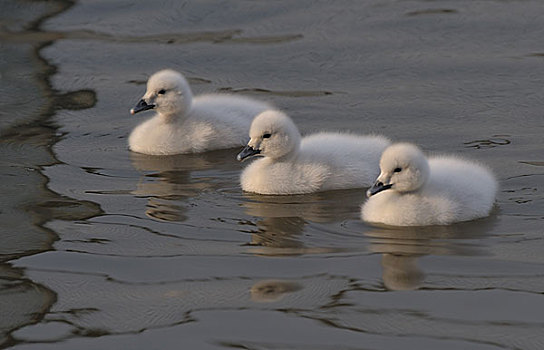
(104, 249)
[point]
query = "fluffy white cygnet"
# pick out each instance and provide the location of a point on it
(187, 124)
(414, 191)
(319, 162)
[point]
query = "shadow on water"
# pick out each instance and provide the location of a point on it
(168, 182)
(401, 248)
(26, 138)
(282, 220)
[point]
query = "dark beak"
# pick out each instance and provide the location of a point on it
(247, 152)
(141, 106)
(377, 188)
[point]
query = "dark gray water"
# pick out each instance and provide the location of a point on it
(104, 249)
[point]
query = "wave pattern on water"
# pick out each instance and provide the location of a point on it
(112, 249)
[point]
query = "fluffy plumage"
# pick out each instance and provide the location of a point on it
(414, 191)
(319, 162)
(184, 124)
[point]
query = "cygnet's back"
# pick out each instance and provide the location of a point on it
(230, 111)
(412, 191)
(320, 162)
(184, 124)
(352, 159)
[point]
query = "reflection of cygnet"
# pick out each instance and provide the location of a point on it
(184, 124)
(272, 290)
(320, 207)
(168, 181)
(414, 191)
(319, 162)
(400, 272)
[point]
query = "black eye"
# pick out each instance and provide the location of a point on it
(397, 170)
(266, 136)
(161, 92)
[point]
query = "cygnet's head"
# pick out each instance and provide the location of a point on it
(273, 134)
(404, 168)
(168, 92)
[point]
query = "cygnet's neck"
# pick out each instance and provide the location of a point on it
(291, 155)
(177, 115)
(169, 118)
(286, 157)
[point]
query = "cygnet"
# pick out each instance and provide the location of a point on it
(319, 162)
(187, 124)
(415, 191)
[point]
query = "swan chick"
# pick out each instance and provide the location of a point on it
(291, 164)
(412, 190)
(184, 123)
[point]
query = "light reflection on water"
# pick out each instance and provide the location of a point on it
(131, 251)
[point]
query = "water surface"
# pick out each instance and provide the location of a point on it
(103, 248)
